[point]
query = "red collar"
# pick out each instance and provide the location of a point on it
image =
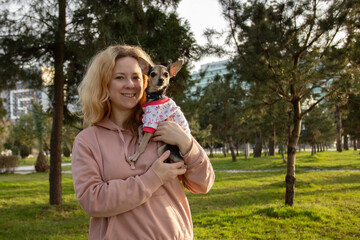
(158, 102)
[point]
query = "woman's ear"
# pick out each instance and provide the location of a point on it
(144, 65)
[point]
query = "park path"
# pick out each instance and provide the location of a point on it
(31, 169)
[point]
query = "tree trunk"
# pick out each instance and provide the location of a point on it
(258, 144)
(346, 142)
(247, 150)
(266, 150)
(231, 145)
(283, 157)
(138, 14)
(293, 140)
(237, 149)
(338, 119)
(272, 142)
(313, 151)
(224, 149)
(58, 110)
(355, 145)
(281, 151)
(211, 150)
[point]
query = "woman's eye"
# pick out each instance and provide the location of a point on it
(119, 77)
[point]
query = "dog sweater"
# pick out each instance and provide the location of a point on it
(160, 110)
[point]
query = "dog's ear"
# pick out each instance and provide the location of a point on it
(174, 68)
(144, 65)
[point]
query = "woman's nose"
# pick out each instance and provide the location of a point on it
(129, 82)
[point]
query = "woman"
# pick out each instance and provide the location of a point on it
(147, 202)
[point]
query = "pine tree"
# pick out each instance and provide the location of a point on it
(292, 48)
(65, 35)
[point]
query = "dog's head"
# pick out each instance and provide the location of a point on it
(159, 75)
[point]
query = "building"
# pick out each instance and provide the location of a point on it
(207, 74)
(18, 101)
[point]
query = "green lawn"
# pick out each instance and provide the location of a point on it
(251, 206)
(26, 214)
(322, 160)
(246, 205)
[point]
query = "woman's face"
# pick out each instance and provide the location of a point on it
(126, 85)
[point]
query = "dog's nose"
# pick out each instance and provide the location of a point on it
(160, 82)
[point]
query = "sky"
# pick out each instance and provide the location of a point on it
(202, 14)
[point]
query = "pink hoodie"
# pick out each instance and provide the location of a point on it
(133, 204)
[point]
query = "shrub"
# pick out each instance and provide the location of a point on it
(8, 163)
(15, 150)
(41, 164)
(24, 151)
(66, 151)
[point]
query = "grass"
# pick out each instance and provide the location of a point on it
(251, 206)
(26, 213)
(322, 160)
(246, 205)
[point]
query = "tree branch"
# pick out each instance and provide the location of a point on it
(233, 34)
(36, 19)
(319, 100)
(307, 91)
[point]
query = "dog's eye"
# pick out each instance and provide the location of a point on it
(166, 74)
(152, 74)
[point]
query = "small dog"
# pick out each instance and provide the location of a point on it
(159, 107)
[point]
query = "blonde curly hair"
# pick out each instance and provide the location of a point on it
(93, 90)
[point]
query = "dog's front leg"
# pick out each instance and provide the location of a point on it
(142, 146)
(140, 133)
(161, 148)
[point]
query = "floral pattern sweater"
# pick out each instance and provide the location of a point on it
(160, 110)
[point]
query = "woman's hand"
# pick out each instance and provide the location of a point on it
(168, 171)
(171, 133)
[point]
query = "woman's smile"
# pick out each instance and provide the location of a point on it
(129, 95)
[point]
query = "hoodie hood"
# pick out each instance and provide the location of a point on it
(110, 125)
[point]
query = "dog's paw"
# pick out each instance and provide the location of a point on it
(184, 166)
(134, 157)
